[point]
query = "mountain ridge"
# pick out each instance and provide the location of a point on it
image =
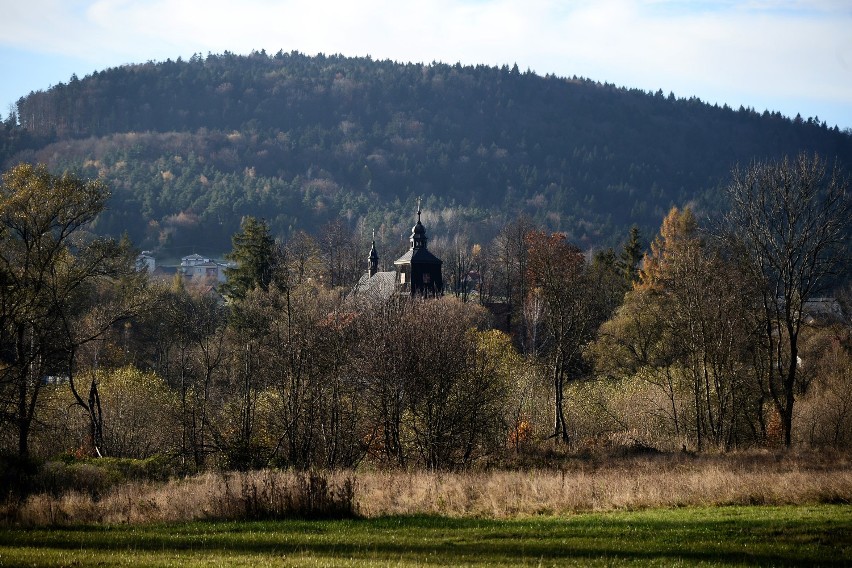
(189, 147)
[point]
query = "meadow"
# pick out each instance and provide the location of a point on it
(98, 491)
(752, 508)
(818, 535)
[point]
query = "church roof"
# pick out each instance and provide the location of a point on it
(418, 256)
(418, 229)
(379, 286)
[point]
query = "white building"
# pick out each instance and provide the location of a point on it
(202, 269)
(147, 261)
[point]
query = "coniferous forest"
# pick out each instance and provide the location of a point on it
(190, 147)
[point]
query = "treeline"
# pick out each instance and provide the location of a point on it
(190, 147)
(702, 342)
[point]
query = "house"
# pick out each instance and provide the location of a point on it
(197, 268)
(146, 261)
(823, 311)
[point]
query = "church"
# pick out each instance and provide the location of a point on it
(417, 273)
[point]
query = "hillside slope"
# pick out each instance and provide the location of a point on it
(191, 146)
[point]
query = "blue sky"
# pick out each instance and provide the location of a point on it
(791, 56)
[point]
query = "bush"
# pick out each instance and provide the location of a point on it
(16, 475)
(266, 495)
(94, 476)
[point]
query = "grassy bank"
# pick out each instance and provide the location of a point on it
(715, 536)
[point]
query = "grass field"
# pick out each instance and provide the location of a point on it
(704, 536)
(579, 486)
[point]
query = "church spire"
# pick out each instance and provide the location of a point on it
(374, 257)
(418, 271)
(418, 232)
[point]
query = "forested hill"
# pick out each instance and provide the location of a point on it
(188, 147)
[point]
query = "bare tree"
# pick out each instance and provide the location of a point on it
(790, 220)
(49, 273)
(459, 266)
(557, 271)
(302, 260)
(342, 252)
(533, 318)
(510, 261)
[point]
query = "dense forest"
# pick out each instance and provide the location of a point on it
(710, 340)
(189, 148)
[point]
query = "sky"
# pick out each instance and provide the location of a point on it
(792, 56)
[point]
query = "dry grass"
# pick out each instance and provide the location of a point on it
(580, 485)
(264, 494)
(664, 480)
(634, 485)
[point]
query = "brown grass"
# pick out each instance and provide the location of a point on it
(663, 480)
(580, 485)
(267, 494)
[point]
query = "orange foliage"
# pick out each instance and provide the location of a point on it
(521, 434)
(677, 234)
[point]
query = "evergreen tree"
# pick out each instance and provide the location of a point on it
(630, 256)
(255, 256)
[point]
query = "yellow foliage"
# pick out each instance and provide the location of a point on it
(139, 412)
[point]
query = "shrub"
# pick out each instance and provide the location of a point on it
(270, 494)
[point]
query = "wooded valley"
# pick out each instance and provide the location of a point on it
(623, 271)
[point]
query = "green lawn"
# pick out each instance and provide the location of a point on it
(724, 536)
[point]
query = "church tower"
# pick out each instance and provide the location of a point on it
(419, 271)
(373, 259)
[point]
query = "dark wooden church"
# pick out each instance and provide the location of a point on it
(417, 274)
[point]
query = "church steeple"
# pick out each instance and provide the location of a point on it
(374, 257)
(418, 271)
(418, 232)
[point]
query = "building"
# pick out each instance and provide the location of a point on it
(417, 273)
(823, 311)
(146, 261)
(197, 268)
(375, 285)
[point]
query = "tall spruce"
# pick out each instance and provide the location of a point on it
(255, 256)
(630, 256)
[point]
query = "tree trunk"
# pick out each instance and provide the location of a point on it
(96, 419)
(23, 423)
(560, 427)
(789, 386)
